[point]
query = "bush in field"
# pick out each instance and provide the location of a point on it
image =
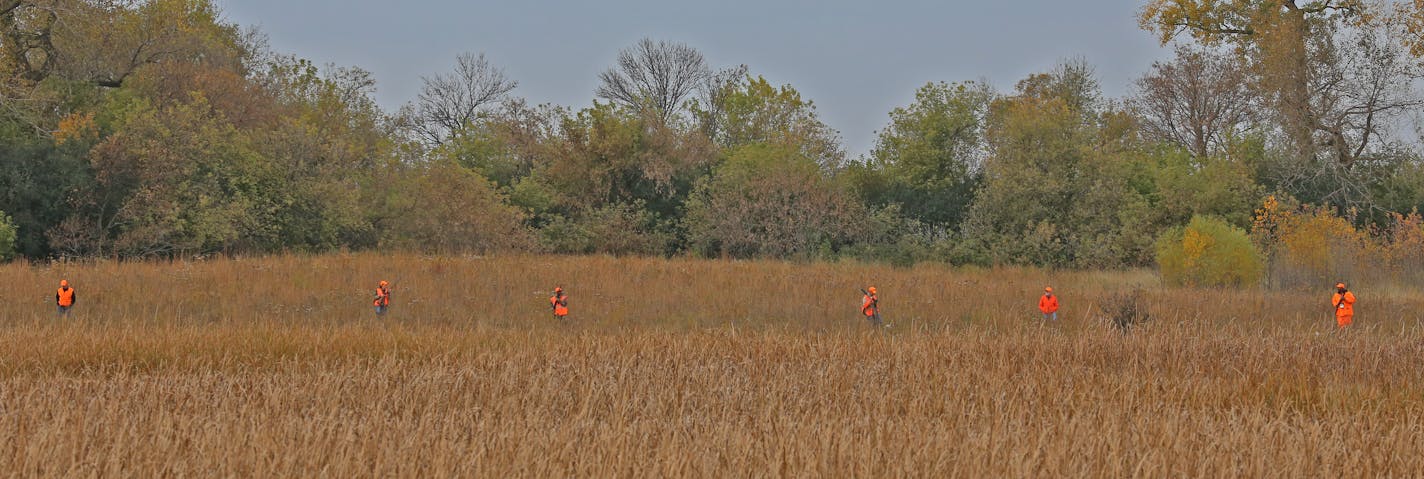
(1127, 310)
(7, 237)
(1208, 252)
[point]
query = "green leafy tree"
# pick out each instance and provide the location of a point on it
(1401, 189)
(37, 179)
(610, 155)
(325, 147)
(446, 208)
(1040, 142)
(1065, 184)
(506, 144)
(1185, 185)
(178, 180)
(927, 160)
(753, 111)
(771, 201)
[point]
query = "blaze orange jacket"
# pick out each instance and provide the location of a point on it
(1344, 304)
(65, 297)
(1048, 304)
(871, 305)
(383, 297)
(561, 305)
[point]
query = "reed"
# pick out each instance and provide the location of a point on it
(277, 367)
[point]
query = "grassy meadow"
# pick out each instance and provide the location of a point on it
(277, 367)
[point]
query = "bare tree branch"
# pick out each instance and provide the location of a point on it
(1346, 6)
(7, 6)
(26, 41)
(1199, 101)
(711, 99)
(655, 75)
(1361, 86)
(451, 102)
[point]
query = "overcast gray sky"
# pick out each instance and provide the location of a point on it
(856, 59)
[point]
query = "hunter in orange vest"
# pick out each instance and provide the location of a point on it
(65, 297)
(870, 307)
(560, 302)
(1344, 304)
(1048, 305)
(383, 298)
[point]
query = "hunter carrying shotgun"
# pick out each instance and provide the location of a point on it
(1344, 303)
(560, 302)
(870, 307)
(383, 298)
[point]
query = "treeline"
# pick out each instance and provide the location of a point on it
(156, 129)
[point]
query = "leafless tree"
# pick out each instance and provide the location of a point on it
(1366, 82)
(1365, 86)
(712, 96)
(1199, 100)
(1277, 39)
(655, 75)
(451, 102)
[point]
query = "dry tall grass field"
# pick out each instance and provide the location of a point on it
(277, 367)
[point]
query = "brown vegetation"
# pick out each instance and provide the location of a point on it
(277, 367)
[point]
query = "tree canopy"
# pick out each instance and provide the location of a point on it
(158, 129)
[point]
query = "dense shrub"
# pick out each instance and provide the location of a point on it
(771, 202)
(1402, 248)
(1127, 310)
(623, 229)
(1310, 246)
(447, 208)
(7, 237)
(1208, 252)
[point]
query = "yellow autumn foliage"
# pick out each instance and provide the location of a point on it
(1313, 245)
(1209, 252)
(75, 126)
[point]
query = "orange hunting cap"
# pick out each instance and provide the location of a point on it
(1048, 289)
(63, 283)
(558, 289)
(872, 290)
(1339, 285)
(383, 283)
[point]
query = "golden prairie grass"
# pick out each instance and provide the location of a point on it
(277, 367)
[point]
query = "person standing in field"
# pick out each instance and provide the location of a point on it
(560, 302)
(870, 307)
(383, 298)
(1048, 305)
(65, 298)
(1344, 304)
